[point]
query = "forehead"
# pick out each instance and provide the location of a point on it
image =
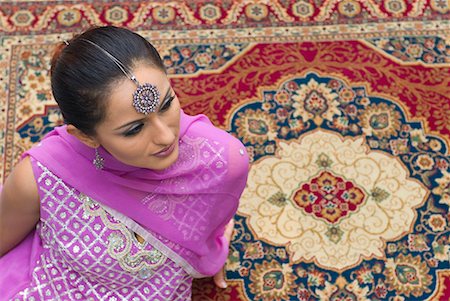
(119, 104)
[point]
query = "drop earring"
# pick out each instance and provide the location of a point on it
(98, 161)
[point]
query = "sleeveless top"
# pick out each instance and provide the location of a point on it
(88, 254)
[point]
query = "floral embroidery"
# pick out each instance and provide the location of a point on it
(142, 261)
(88, 253)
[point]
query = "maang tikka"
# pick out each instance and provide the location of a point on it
(146, 97)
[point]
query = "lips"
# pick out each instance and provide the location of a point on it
(166, 152)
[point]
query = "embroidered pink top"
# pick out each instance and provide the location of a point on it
(85, 247)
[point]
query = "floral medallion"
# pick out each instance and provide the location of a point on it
(328, 197)
(395, 7)
(164, 14)
(69, 16)
(315, 101)
(116, 15)
(326, 218)
(344, 190)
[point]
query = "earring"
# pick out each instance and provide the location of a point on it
(98, 161)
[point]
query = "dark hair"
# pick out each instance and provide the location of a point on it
(82, 74)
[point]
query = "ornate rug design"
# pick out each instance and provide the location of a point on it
(344, 107)
(341, 190)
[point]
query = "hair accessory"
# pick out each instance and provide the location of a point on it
(66, 42)
(146, 97)
(98, 161)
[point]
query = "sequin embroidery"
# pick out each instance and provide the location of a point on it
(89, 255)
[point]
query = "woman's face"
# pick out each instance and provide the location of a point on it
(147, 141)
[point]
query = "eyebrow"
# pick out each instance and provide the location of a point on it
(138, 120)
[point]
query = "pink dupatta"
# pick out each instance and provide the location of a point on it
(188, 204)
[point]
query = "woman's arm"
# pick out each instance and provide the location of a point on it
(219, 278)
(19, 206)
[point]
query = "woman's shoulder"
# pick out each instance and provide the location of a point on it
(21, 182)
(20, 206)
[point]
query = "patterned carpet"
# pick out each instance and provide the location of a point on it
(344, 107)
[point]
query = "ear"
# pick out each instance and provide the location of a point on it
(88, 140)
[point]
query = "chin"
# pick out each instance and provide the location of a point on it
(166, 162)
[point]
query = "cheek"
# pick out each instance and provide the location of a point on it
(125, 148)
(176, 115)
(176, 121)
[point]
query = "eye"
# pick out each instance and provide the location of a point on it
(167, 103)
(134, 130)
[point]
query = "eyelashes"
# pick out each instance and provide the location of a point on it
(167, 103)
(136, 129)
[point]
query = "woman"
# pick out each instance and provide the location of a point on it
(131, 199)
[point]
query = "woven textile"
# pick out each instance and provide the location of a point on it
(343, 106)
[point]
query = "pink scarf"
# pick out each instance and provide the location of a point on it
(189, 203)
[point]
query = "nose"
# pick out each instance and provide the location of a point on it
(162, 134)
